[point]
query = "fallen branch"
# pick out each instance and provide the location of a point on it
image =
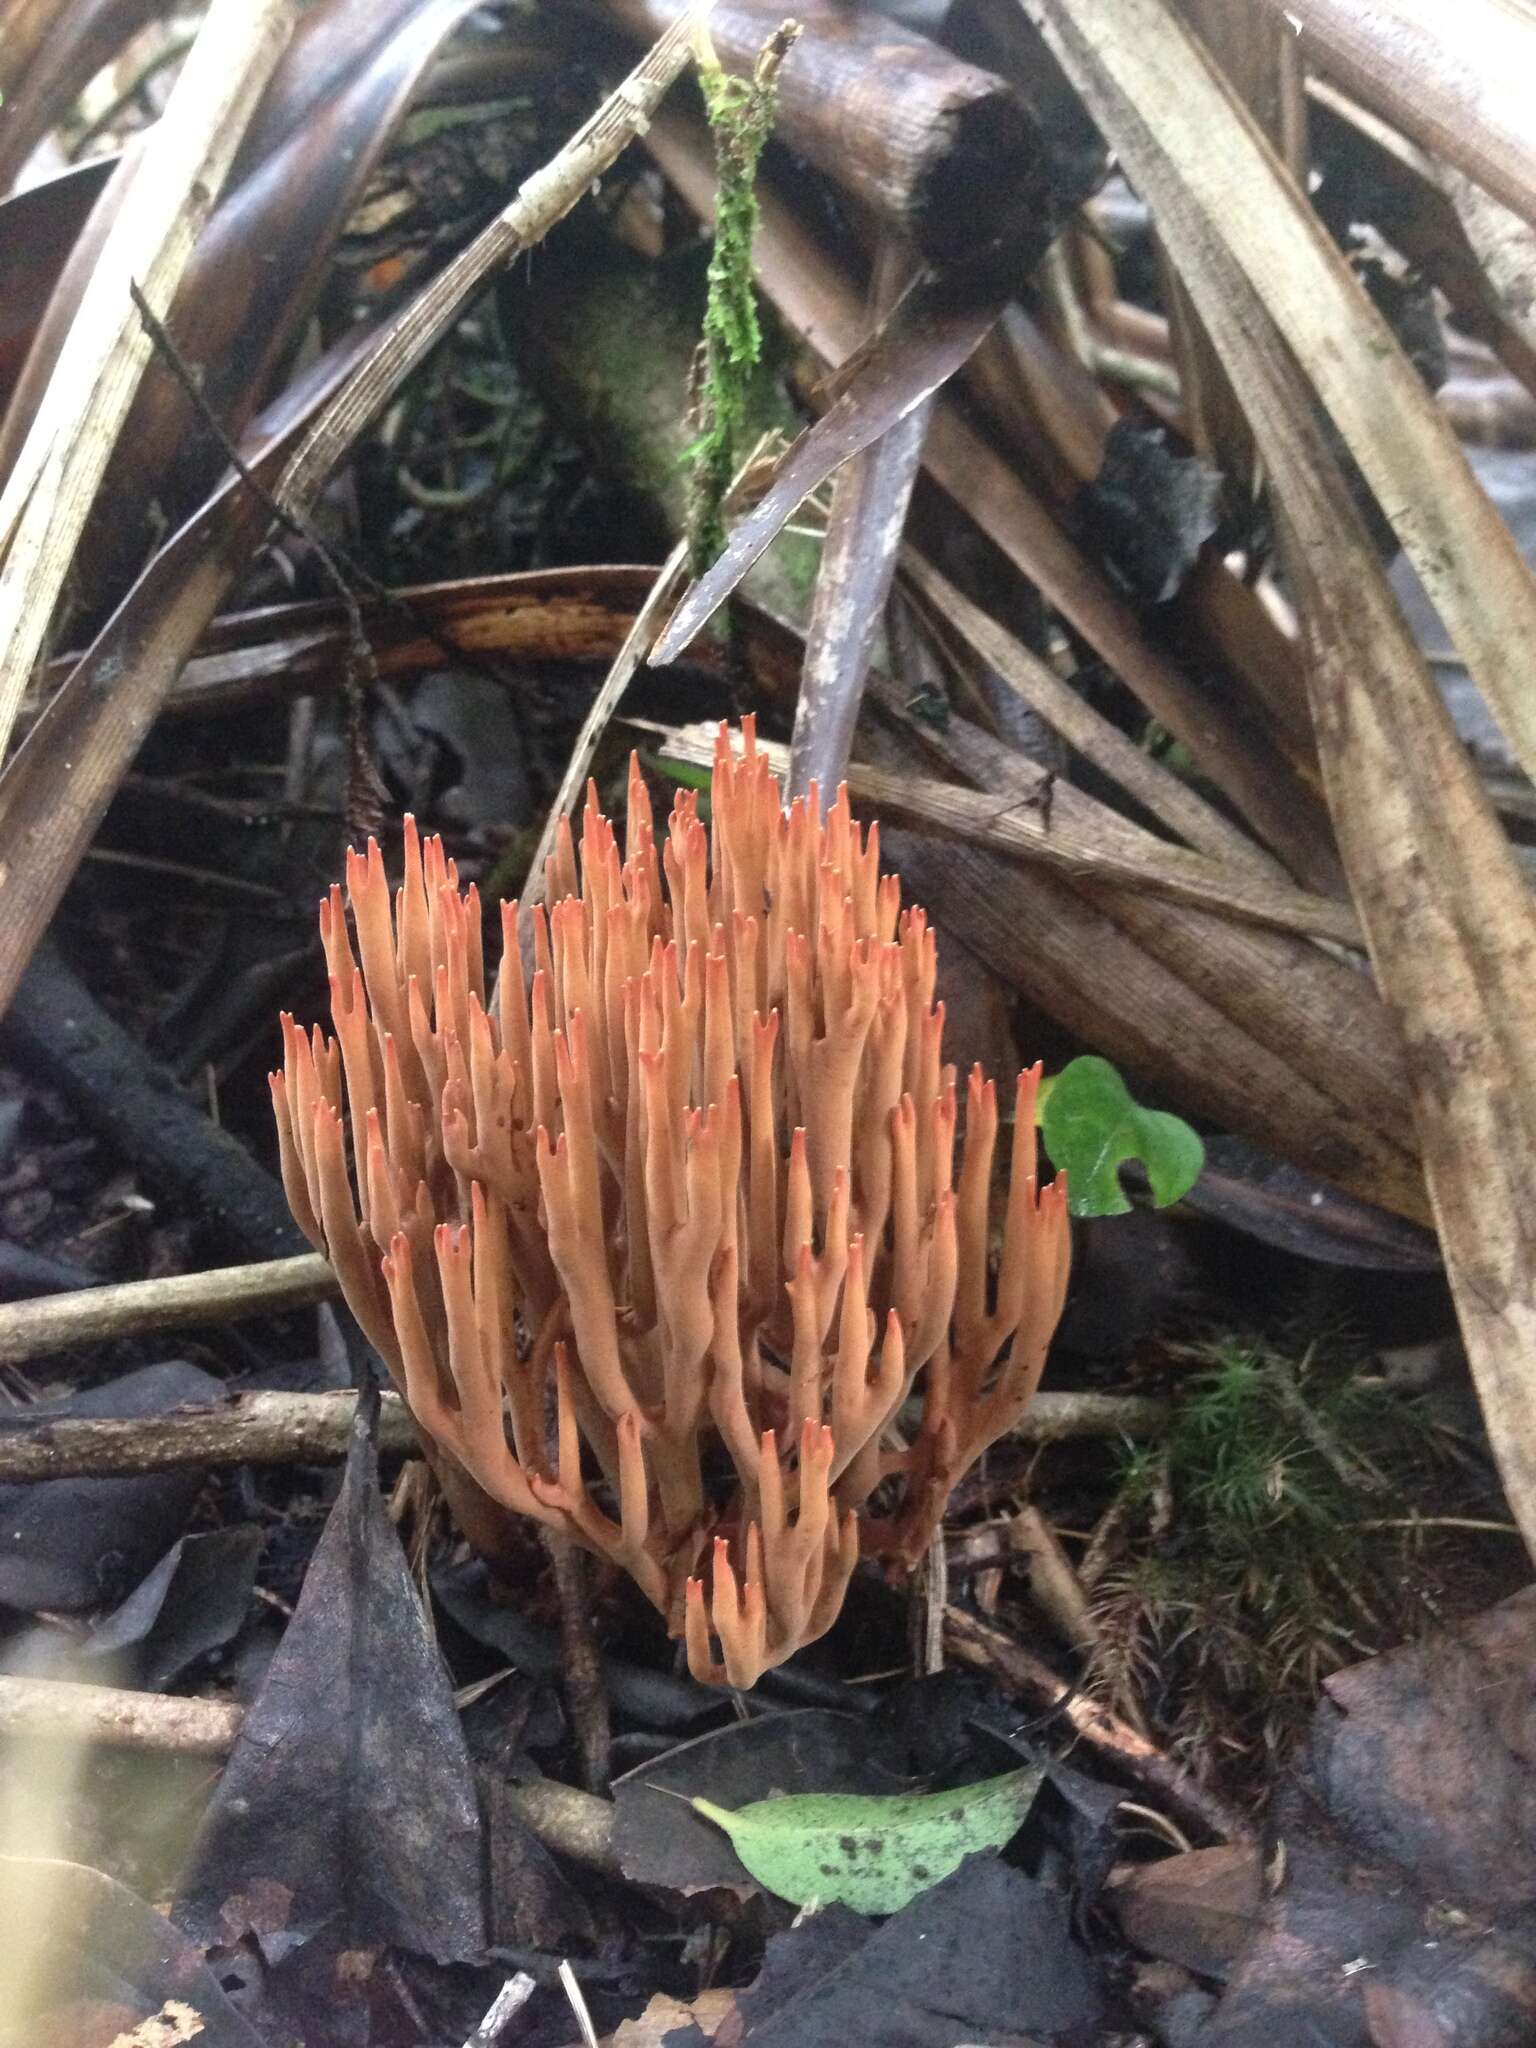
(909, 130)
(572, 1823)
(312, 1429)
(250, 1429)
(64, 1037)
(52, 1709)
(94, 1315)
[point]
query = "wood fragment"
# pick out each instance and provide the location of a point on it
(248, 1429)
(903, 126)
(50, 490)
(572, 1823)
(970, 1640)
(96, 1315)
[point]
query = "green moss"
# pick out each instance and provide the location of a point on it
(741, 115)
(1258, 1561)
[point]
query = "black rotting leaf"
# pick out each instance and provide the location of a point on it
(654, 1699)
(100, 1963)
(1148, 511)
(349, 1795)
(68, 1544)
(660, 1840)
(192, 1603)
(532, 1902)
(987, 1955)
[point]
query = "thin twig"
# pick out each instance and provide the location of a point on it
(32, 1329)
(973, 1641)
(637, 644)
(508, 2002)
(570, 1822)
(250, 1429)
(53, 1710)
(573, 1992)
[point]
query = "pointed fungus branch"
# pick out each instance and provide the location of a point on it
(692, 1193)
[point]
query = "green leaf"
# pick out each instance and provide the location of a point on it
(872, 1854)
(685, 772)
(1092, 1124)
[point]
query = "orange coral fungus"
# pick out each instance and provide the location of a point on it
(657, 1250)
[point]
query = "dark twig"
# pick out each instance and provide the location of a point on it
(586, 1694)
(978, 1643)
(68, 1040)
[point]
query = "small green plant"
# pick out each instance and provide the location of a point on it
(1092, 1125)
(741, 116)
(1259, 1550)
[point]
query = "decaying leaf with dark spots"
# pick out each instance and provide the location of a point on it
(1403, 1912)
(874, 1854)
(350, 1787)
(1427, 1756)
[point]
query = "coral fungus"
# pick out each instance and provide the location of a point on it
(658, 1249)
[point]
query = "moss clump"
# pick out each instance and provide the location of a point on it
(741, 116)
(1258, 1551)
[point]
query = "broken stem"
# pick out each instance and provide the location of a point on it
(251, 1429)
(32, 1329)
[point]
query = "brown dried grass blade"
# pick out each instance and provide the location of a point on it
(1228, 174)
(1457, 79)
(50, 491)
(1448, 915)
(1076, 835)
